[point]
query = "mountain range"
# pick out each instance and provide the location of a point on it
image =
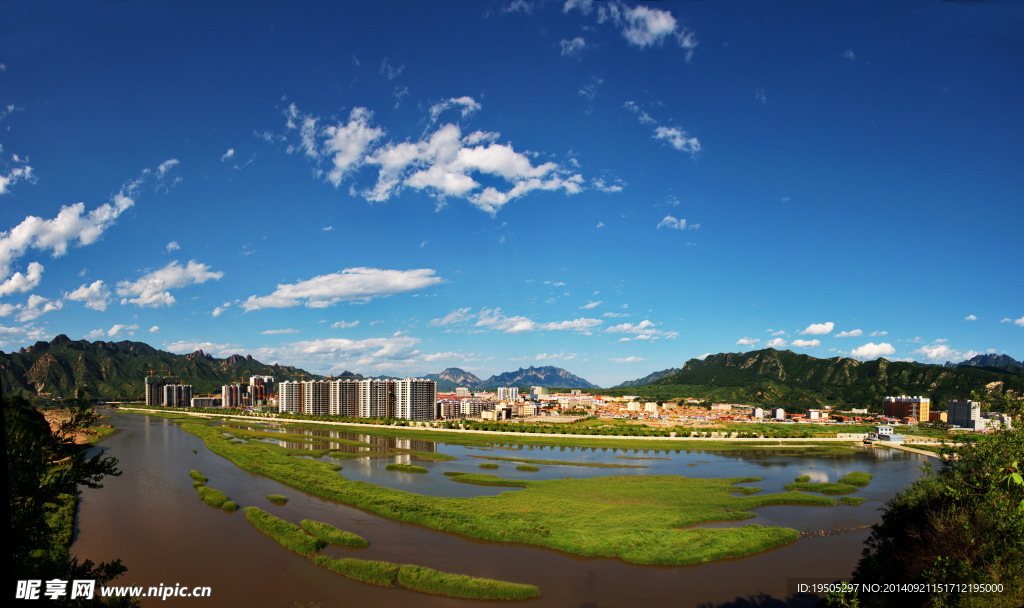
(774, 377)
(70, 369)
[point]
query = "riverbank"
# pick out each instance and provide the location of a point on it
(638, 519)
(472, 437)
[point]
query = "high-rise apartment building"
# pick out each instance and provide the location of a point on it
(964, 414)
(289, 397)
(234, 395)
(907, 407)
(415, 399)
(508, 393)
(261, 389)
(344, 398)
(177, 395)
(155, 388)
(376, 398)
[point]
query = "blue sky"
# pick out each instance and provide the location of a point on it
(610, 187)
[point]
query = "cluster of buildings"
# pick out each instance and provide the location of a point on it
(418, 399)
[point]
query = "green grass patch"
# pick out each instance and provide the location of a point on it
(485, 479)
(383, 574)
(600, 465)
(824, 488)
(856, 478)
(803, 479)
(488, 465)
(452, 473)
(196, 475)
(851, 500)
(214, 498)
(277, 499)
(406, 468)
(527, 467)
(644, 519)
(642, 458)
(230, 506)
(428, 580)
(330, 534)
(286, 534)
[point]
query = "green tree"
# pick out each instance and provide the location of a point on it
(45, 470)
(962, 523)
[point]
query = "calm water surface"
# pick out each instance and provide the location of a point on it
(151, 519)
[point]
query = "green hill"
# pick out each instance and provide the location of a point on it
(784, 378)
(71, 369)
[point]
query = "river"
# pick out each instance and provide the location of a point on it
(152, 519)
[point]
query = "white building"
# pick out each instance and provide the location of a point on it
(506, 393)
(415, 399)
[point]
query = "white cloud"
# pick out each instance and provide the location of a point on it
(640, 25)
(875, 334)
(389, 70)
(806, 343)
(14, 176)
(152, 288)
(220, 309)
(442, 163)
(275, 332)
(494, 318)
(970, 318)
(1019, 321)
(184, 347)
(351, 284)
(466, 105)
(643, 327)
(460, 315)
(166, 167)
(589, 91)
(873, 351)
(228, 155)
(344, 324)
(591, 305)
(747, 341)
(337, 354)
(519, 6)
(20, 283)
(676, 137)
(775, 343)
(940, 352)
(819, 329)
(564, 356)
(327, 229)
(760, 95)
(155, 329)
(850, 334)
(849, 55)
(72, 226)
(172, 246)
(116, 330)
(573, 47)
(38, 306)
(676, 224)
(632, 359)
(95, 295)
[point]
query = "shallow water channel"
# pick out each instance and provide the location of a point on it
(152, 519)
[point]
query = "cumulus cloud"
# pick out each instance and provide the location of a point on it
(970, 318)
(337, 354)
(1019, 321)
(72, 226)
(38, 306)
(228, 155)
(172, 246)
(775, 343)
(940, 352)
(455, 317)
(344, 324)
(22, 282)
(747, 341)
(151, 289)
(873, 351)
(591, 305)
(465, 104)
(806, 343)
(642, 26)
(275, 332)
(676, 224)
(351, 284)
(571, 48)
(220, 309)
(494, 318)
(184, 347)
(14, 176)
(877, 333)
(853, 333)
(444, 163)
(632, 359)
(119, 328)
(95, 295)
(564, 356)
(155, 329)
(819, 329)
(674, 136)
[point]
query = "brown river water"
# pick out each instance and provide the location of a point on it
(152, 519)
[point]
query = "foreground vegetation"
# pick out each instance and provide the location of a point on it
(330, 534)
(641, 519)
(406, 468)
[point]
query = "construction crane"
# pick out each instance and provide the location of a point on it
(157, 370)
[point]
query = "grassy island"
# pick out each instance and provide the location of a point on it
(330, 534)
(286, 534)
(427, 580)
(406, 468)
(639, 519)
(856, 478)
